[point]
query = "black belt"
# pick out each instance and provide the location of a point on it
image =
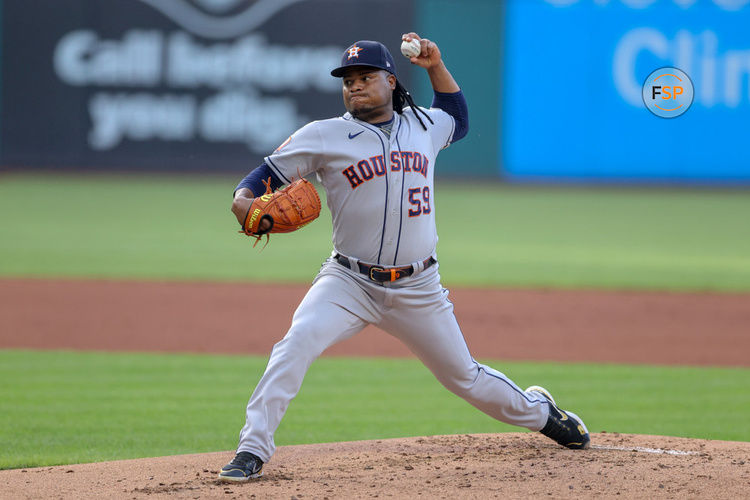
(382, 274)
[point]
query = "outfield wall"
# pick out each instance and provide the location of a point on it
(205, 85)
(573, 104)
(214, 85)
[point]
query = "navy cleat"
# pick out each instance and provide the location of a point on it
(562, 426)
(243, 467)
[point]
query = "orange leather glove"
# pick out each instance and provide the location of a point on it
(287, 209)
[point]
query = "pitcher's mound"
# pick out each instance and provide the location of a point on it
(467, 466)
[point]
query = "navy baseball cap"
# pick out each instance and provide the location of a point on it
(366, 53)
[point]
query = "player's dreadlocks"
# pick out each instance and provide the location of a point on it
(402, 97)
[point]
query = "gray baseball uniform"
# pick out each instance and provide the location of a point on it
(380, 194)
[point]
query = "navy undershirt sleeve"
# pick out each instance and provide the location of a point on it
(254, 180)
(455, 105)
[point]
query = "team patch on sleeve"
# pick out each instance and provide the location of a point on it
(281, 146)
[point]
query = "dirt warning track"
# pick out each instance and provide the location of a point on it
(598, 326)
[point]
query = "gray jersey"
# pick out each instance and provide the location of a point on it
(380, 189)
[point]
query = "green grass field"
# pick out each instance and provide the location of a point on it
(65, 407)
(155, 227)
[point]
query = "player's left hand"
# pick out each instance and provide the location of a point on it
(287, 209)
(240, 207)
(430, 55)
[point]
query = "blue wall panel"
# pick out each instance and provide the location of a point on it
(572, 97)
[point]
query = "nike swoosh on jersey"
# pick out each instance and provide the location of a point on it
(352, 136)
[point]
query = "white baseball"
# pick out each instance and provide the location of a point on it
(411, 49)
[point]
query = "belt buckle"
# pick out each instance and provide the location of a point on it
(376, 268)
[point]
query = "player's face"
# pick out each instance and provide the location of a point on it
(368, 93)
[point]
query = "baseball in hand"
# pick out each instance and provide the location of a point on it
(411, 49)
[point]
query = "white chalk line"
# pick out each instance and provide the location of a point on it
(658, 451)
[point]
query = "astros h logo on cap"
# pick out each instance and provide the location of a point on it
(366, 53)
(353, 51)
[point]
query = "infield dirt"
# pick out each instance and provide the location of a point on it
(630, 327)
(545, 325)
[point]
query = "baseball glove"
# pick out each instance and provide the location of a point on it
(287, 209)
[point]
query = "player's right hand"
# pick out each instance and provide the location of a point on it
(430, 55)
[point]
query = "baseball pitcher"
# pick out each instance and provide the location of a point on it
(377, 166)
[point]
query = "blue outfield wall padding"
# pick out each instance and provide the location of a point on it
(573, 108)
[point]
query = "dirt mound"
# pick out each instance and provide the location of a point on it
(513, 465)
